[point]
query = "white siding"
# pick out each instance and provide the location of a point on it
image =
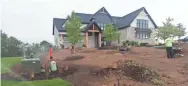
(142, 15)
(56, 37)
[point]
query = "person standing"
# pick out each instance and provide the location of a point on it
(169, 45)
(50, 52)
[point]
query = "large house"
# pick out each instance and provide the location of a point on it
(135, 26)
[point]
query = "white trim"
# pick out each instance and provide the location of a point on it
(64, 33)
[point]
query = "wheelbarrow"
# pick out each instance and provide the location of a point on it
(178, 52)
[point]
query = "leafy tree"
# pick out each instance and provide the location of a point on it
(45, 45)
(167, 30)
(10, 46)
(4, 44)
(181, 31)
(73, 29)
(111, 33)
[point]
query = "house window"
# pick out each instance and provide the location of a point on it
(102, 25)
(141, 23)
(142, 35)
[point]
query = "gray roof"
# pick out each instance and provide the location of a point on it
(126, 20)
(85, 17)
(90, 25)
(102, 16)
(58, 23)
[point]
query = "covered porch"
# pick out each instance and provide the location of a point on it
(92, 37)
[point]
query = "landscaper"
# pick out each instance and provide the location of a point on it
(169, 45)
(50, 52)
(53, 65)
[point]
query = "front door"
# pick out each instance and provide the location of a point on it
(91, 40)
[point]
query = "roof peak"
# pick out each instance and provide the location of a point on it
(140, 9)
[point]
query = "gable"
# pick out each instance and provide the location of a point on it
(102, 16)
(92, 26)
(143, 15)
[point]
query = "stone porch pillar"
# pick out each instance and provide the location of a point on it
(86, 39)
(61, 40)
(99, 39)
(61, 37)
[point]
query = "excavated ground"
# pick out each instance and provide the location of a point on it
(102, 67)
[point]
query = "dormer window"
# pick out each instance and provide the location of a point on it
(142, 23)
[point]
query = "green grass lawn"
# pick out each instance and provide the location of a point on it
(7, 62)
(53, 82)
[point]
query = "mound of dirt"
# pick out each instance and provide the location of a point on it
(130, 69)
(136, 71)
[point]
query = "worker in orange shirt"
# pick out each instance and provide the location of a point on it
(50, 53)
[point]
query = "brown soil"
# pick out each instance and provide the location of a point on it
(174, 72)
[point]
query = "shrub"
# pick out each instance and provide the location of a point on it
(143, 44)
(131, 43)
(136, 44)
(124, 43)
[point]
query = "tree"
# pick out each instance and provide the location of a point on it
(4, 44)
(10, 46)
(111, 33)
(45, 45)
(73, 29)
(181, 30)
(167, 30)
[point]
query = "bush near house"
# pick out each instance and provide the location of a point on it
(143, 44)
(130, 43)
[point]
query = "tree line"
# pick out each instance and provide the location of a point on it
(13, 47)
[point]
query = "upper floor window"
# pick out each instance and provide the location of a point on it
(141, 23)
(102, 25)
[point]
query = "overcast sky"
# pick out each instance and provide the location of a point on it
(31, 20)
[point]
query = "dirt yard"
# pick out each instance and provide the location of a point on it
(173, 72)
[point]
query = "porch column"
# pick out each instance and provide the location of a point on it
(61, 37)
(99, 39)
(86, 39)
(61, 40)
